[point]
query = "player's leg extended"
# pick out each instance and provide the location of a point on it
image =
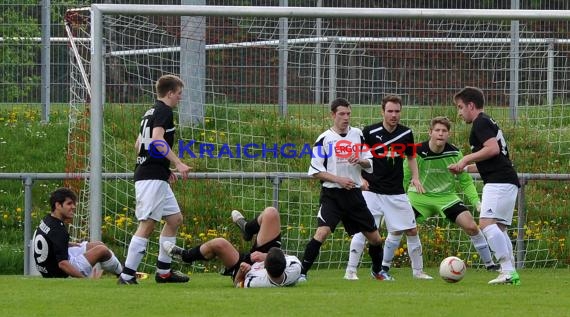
(313, 248)
(136, 250)
(358, 241)
(491, 210)
(465, 221)
(168, 233)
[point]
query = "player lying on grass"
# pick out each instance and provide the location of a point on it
(265, 266)
(440, 197)
(56, 256)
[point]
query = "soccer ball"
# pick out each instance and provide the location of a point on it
(452, 269)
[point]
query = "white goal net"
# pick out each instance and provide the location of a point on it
(235, 95)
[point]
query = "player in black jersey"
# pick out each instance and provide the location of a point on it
(154, 198)
(390, 143)
(56, 256)
(501, 183)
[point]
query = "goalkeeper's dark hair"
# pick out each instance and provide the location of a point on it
(275, 262)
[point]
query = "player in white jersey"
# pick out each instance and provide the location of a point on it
(339, 157)
(491, 158)
(264, 266)
(276, 270)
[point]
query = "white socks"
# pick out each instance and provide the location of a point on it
(480, 244)
(390, 246)
(112, 264)
(415, 253)
(497, 243)
(137, 250)
(163, 256)
(356, 248)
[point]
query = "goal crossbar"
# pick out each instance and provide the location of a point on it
(320, 12)
(97, 51)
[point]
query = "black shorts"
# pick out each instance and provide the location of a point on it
(348, 206)
(454, 210)
(450, 212)
(246, 257)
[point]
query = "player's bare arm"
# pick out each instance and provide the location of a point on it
(413, 164)
(364, 163)
(138, 144)
(158, 135)
(240, 276)
(489, 150)
(258, 256)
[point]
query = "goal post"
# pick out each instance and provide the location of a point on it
(326, 52)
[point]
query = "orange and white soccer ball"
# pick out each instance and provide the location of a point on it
(452, 269)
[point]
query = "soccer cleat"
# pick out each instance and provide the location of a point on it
(382, 276)
(507, 278)
(240, 221)
(493, 268)
(422, 276)
(302, 278)
(171, 277)
(172, 249)
(350, 275)
(131, 281)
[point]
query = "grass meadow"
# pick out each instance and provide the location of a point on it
(543, 292)
(27, 145)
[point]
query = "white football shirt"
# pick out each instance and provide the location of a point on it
(332, 151)
(258, 277)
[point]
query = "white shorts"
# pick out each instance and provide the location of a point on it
(396, 209)
(155, 200)
(78, 260)
(498, 202)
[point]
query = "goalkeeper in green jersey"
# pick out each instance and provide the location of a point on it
(440, 197)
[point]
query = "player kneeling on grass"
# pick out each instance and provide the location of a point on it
(265, 266)
(55, 256)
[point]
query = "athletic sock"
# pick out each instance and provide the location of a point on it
(375, 252)
(135, 254)
(252, 227)
(112, 264)
(482, 247)
(164, 259)
(497, 243)
(311, 253)
(390, 246)
(357, 244)
(193, 254)
(415, 253)
(510, 248)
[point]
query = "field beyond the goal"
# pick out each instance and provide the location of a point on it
(543, 292)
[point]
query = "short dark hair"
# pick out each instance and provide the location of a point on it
(471, 94)
(60, 195)
(275, 262)
(168, 83)
(339, 102)
(391, 98)
(441, 120)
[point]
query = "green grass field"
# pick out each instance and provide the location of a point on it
(542, 293)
